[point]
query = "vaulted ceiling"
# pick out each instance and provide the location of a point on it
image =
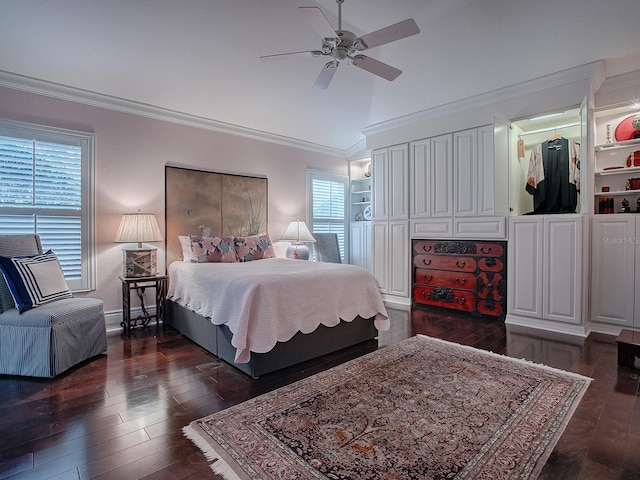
(200, 57)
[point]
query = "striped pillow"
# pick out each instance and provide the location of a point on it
(34, 280)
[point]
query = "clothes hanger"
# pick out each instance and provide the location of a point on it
(555, 136)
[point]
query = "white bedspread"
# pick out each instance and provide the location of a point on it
(270, 300)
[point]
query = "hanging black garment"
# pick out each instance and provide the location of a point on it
(554, 194)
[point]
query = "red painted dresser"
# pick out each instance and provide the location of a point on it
(461, 275)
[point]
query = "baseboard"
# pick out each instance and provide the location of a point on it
(550, 326)
(113, 319)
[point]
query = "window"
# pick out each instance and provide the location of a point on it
(327, 206)
(46, 187)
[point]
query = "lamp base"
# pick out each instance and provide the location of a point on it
(140, 262)
(297, 252)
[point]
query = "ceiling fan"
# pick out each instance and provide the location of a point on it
(344, 45)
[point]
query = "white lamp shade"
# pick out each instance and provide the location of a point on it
(297, 232)
(138, 227)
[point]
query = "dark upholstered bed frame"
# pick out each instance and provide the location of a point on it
(217, 340)
(196, 198)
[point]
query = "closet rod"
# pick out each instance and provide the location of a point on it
(550, 129)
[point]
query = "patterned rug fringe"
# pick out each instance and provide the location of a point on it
(219, 466)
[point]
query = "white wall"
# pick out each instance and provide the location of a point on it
(131, 153)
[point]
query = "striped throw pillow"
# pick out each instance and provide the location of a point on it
(34, 280)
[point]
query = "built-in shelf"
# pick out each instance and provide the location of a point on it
(618, 171)
(617, 193)
(618, 145)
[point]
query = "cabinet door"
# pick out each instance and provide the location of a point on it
(562, 272)
(361, 244)
(398, 183)
(398, 256)
(441, 176)
(524, 259)
(501, 167)
(465, 152)
(486, 172)
(379, 172)
(379, 254)
(613, 269)
(420, 160)
(357, 250)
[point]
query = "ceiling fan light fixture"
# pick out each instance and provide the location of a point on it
(344, 45)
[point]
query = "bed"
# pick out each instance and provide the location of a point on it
(258, 313)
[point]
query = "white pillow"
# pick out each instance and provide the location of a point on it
(185, 243)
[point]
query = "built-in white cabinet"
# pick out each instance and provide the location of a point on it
(545, 261)
(453, 184)
(615, 275)
(465, 173)
(390, 259)
(454, 175)
(361, 244)
(432, 177)
(390, 170)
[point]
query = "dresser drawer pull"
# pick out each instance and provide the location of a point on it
(460, 264)
(461, 282)
(486, 251)
(427, 278)
(460, 300)
(426, 262)
(426, 248)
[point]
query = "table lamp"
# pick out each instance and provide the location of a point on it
(298, 234)
(138, 228)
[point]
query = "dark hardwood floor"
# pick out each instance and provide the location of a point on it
(120, 415)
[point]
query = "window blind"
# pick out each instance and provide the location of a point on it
(328, 206)
(43, 183)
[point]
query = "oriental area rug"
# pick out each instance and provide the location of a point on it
(421, 409)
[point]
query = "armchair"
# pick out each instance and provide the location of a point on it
(46, 340)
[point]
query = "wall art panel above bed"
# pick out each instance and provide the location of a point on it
(206, 203)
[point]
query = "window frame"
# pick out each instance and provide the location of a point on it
(332, 177)
(86, 142)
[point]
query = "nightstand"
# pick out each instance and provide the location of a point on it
(140, 284)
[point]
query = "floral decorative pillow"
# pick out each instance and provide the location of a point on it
(212, 249)
(254, 247)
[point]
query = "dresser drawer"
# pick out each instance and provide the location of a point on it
(453, 263)
(445, 247)
(489, 249)
(445, 297)
(491, 264)
(444, 278)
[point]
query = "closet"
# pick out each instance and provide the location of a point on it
(528, 136)
(548, 234)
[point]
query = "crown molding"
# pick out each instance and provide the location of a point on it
(571, 75)
(87, 97)
(358, 150)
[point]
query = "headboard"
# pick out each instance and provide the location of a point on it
(226, 204)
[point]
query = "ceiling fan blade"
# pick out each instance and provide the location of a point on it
(315, 18)
(285, 56)
(376, 67)
(389, 34)
(327, 73)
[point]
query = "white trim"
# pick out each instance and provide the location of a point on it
(64, 92)
(563, 77)
(547, 325)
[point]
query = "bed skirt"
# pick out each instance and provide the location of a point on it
(216, 339)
